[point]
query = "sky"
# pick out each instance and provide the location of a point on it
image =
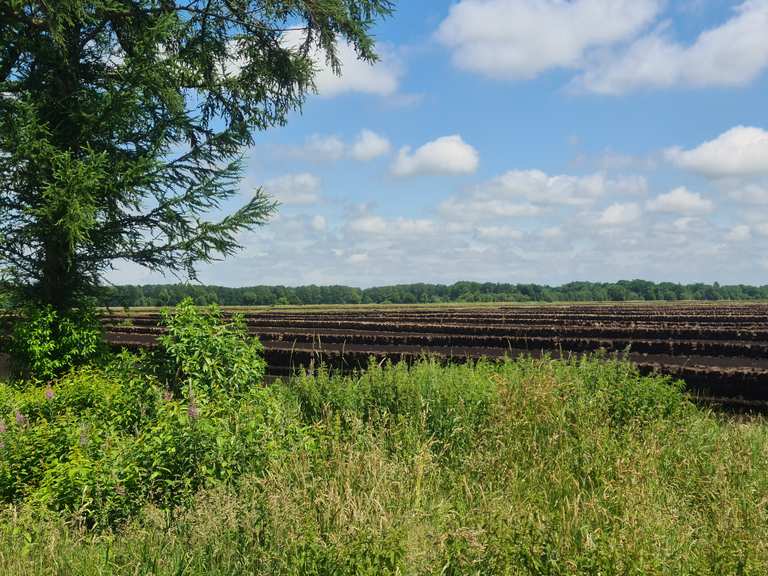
(523, 141)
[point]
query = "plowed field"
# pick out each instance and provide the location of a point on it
(720, 350)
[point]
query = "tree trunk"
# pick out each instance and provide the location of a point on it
(57, 286)
(58, 282)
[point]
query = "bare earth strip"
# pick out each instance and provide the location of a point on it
(718, 349)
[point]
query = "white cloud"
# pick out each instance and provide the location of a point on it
(369, 225)
(681, 201)
(319, 223)
(619, 214)
(499, 233)
(476, 208)
(369, 145)
(556, 247)
(609, 42)
(732, 54)
(446, 155)
(538, 187)
(320, 148)
(378, 226)
(685, 223)
(741, 151)
(301, 188)
(324, 148)
(551, 232)
(748, 193)
(525, 193)
(360, 258)
(739, 233)
(381, 78)
(522, 38)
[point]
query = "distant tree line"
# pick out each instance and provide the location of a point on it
(171, 294)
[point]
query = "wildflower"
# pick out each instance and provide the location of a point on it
(192, 410)
(21, 420)
(167, 395)
(49, 394)
(2, 426)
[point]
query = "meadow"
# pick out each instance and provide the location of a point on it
(533, 466)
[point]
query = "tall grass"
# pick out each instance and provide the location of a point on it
(530, 467)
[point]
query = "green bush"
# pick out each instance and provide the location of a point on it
(204, 355)
(45, 343)
(100, 446)
(102, 441)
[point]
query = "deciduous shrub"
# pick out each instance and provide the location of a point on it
(205, 355)
(102, 441)
(45, 342)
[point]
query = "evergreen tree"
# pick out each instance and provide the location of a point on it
(123, 122)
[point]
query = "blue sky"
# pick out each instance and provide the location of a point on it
(524, 141)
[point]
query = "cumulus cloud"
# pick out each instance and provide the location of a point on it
(741, 151)
(522, 38)
(538, 187)
(748, 193)
(681, 201)
(381, 78)
(359, 258)
(477, 208)
(551, 232)
(499, 233)
(620, 214)
(319, 148)
(323, 148)
(732, 54)
(301, 188)
(558, 247)
(614, 46)
(739, 233)
(319, 223)
(369, 145)
(369, 225)
(446, 155)
(687, 223)
(377, 226)
(526, 193)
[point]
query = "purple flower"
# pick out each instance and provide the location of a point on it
(2, 426)
(49, 394)
(192, 411)
(21, 420)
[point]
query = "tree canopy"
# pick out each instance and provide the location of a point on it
(624, 290)
(123, 124)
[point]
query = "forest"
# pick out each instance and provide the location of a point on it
(622, 291)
